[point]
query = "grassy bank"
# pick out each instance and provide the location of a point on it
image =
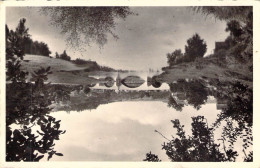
(208, 68)
(62, 71)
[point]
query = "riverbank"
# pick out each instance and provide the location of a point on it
(208, 68)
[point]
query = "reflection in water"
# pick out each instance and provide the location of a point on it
(232, 126)
(121, 131)
(132, 81)
(152, 81)
(210, 137)
(194, 92)
(235, 102)
(129, 81)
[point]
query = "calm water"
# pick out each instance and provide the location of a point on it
(122, 131)
(115, 122)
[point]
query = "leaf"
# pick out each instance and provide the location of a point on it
(39, 158)
(50, 156)
(59, 154)
(39, 132)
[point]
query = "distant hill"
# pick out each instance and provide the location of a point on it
(34, 62)
(62, 71)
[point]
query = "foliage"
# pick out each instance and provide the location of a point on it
(83, 25)
(239, 13)
(79, 61)
(36, 48)
(27, 105)
(234, 28)
(24, 145)
(172, 103)
(64, 56)
(26, 44)
(198, 147)
(239, 110)
(240, 25)
(174, 57)
(57, 55)
(151, 158)
(195, 48)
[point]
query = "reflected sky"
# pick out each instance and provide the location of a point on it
(122, 131)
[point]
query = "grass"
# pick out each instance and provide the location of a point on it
(33, 62)
(62, 71)
(208, 68)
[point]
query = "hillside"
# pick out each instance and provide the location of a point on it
(62, 71)
(34, 62)
(208, 68)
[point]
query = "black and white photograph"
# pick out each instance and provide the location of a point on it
(128, 84)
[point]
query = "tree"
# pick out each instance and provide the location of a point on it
(195, 48)
(27, 44)
(57, 55)
(174, 57)
(27, 105)
(227, 13)
(234, 28)
(200, 146)
(172, 103)
(152, 158)
(242, 15)
(83, 25)
(65, 56)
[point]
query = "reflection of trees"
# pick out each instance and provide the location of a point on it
(235, 121)
(194, 92)
(172, 103)
(97, 97)
(27, 105)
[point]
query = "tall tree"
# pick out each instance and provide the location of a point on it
(195, 48)
(65, 56)
(27, 105)
(234, 28)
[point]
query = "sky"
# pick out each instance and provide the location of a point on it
(144, 40)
